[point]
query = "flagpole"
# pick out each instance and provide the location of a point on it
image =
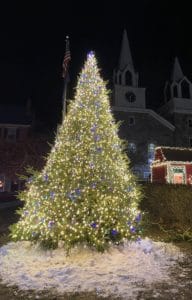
(64, 96)
(65, 75)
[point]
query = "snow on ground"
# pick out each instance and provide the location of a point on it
(122, 271)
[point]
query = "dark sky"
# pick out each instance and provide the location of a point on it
(33, 42)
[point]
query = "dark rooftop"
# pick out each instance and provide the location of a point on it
(12, 114)
(177, 154)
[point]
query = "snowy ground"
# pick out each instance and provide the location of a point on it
(122, 271)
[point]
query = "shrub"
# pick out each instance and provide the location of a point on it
(170, 206)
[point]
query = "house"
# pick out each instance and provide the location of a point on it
(19, 147)
(172, 165)
(15, 123)
(143, 128)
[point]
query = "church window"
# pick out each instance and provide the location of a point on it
(147, 175)
(190, 141)
(190, 123)
(185, 89)
(132, 148)
(131, 121)
(151, 152)
(130, 96)
(128, 78)
(120, 79)
(175, 91)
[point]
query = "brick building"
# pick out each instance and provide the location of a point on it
(19, 147)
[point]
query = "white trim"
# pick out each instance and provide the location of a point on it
(146, 111)
(158, 164)
(173, 162)
(171, 173)
(173, 148)
(185, 79)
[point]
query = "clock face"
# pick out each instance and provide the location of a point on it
(130, 97)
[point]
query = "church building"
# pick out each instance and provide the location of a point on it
(142, 127)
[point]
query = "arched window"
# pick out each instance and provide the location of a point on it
(190, 141)
(190, 123)
(175, 91)
(151, 152)
(128, 78)
(132, 148)
(185, 89)
(120, 79)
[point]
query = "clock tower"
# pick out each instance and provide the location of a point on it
(127, 93)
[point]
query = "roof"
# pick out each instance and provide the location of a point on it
(125, 59)
(150, 112)
(177, 73)
(12, 114)
(176, 154)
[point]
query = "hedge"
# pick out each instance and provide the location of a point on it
(169, 205)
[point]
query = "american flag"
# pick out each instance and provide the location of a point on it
(66, 60)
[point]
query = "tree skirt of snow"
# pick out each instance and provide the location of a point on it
(121, 271)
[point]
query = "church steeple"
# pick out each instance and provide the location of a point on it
(179, 86)
(125, 59)
(125, 73)
(177, 73)
(127, 92)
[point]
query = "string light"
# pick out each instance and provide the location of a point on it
(174, 171)
(86, 192)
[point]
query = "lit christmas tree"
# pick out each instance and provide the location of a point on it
(86, 193)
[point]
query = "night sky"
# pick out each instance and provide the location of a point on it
(33, 42)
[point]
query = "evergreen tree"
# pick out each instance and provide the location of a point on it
(86, 192)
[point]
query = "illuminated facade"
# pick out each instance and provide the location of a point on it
(172, 165)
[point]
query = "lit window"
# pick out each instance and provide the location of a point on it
(147, 175)
(151, 152)
(2, 183)
(177, 175)
(132, 148)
